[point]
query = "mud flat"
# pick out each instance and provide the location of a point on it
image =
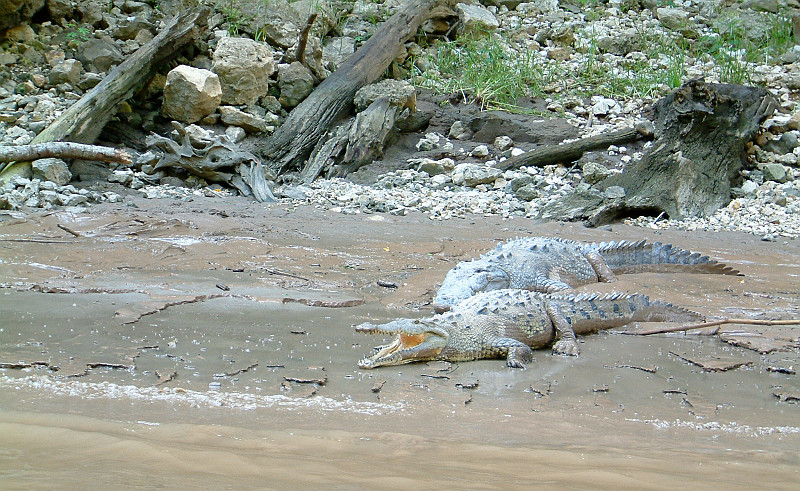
(173, 343)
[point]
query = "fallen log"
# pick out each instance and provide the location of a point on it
(332, 100)
(64, 150)
(569, 152)
(84, 120)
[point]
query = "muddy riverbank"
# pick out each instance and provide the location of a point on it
(174, 343)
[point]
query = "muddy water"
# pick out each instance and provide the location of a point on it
(190, 344)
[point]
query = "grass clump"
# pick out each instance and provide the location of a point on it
(486, 70)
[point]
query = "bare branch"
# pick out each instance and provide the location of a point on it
(63, 150)
(752, 322)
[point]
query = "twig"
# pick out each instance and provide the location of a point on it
(754, 322)
(290, 275)
(39, 241)
(69, 230)
(301, 46)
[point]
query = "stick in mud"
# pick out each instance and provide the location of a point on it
(752, 322)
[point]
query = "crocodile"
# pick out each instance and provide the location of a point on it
(510, 323)
(550, 265)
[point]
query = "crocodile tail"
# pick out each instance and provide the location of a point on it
(658, 311)
(640, 257)
(606, 309)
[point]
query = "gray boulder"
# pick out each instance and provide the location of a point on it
(99, 54)
(473, 174)
(476, 20)
(295, 82)
(248, 122)
(774, 172)
(67, 71)
(54, 170)
(244, 67)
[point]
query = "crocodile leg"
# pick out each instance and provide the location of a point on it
(547, 284)
(566, 343)
(604, 273)
(516, 353)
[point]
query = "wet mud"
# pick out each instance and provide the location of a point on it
(172, 343)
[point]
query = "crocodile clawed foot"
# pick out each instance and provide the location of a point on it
(566, 347)
(519, 356)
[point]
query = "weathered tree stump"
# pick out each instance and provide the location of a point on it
(701, 132)
(332, 100)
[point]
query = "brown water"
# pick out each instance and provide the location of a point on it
(154, 350)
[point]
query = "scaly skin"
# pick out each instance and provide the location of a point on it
(510, 324)
(550, 265)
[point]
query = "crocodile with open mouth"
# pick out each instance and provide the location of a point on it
(511, 323)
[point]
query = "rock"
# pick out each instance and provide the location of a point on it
(794, 121)
(503, 142)
(67, 71)
(244, 68)
(399, 92)
(774, 172)
(672, 18)
(527, 192)
(336, 51)
(460, 131)
(475, 20)
(123, 177)
(75, 200)
(573, 206)
(771, 6)
(295, 82)
(594, 172)
(276, 22)
(99, 54)
(436, 167)
(50, 169)
(614, 192)
(191, 93)
(234, 117)
(785, 144)
(559, 54)
(472, 175)
(603, 106)
(622, 42)
(21, 34)
(749, 187)
(131, 27)
(235, 133)
(480, 151)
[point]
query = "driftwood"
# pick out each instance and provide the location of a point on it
(85, 119)
(353, 144)
(332, 100)
(63, 150)
(701, 132)
(362, 139)
(569, 152)
(719, 322)
(208, 158)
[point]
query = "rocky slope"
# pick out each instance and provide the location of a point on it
(244, 76)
